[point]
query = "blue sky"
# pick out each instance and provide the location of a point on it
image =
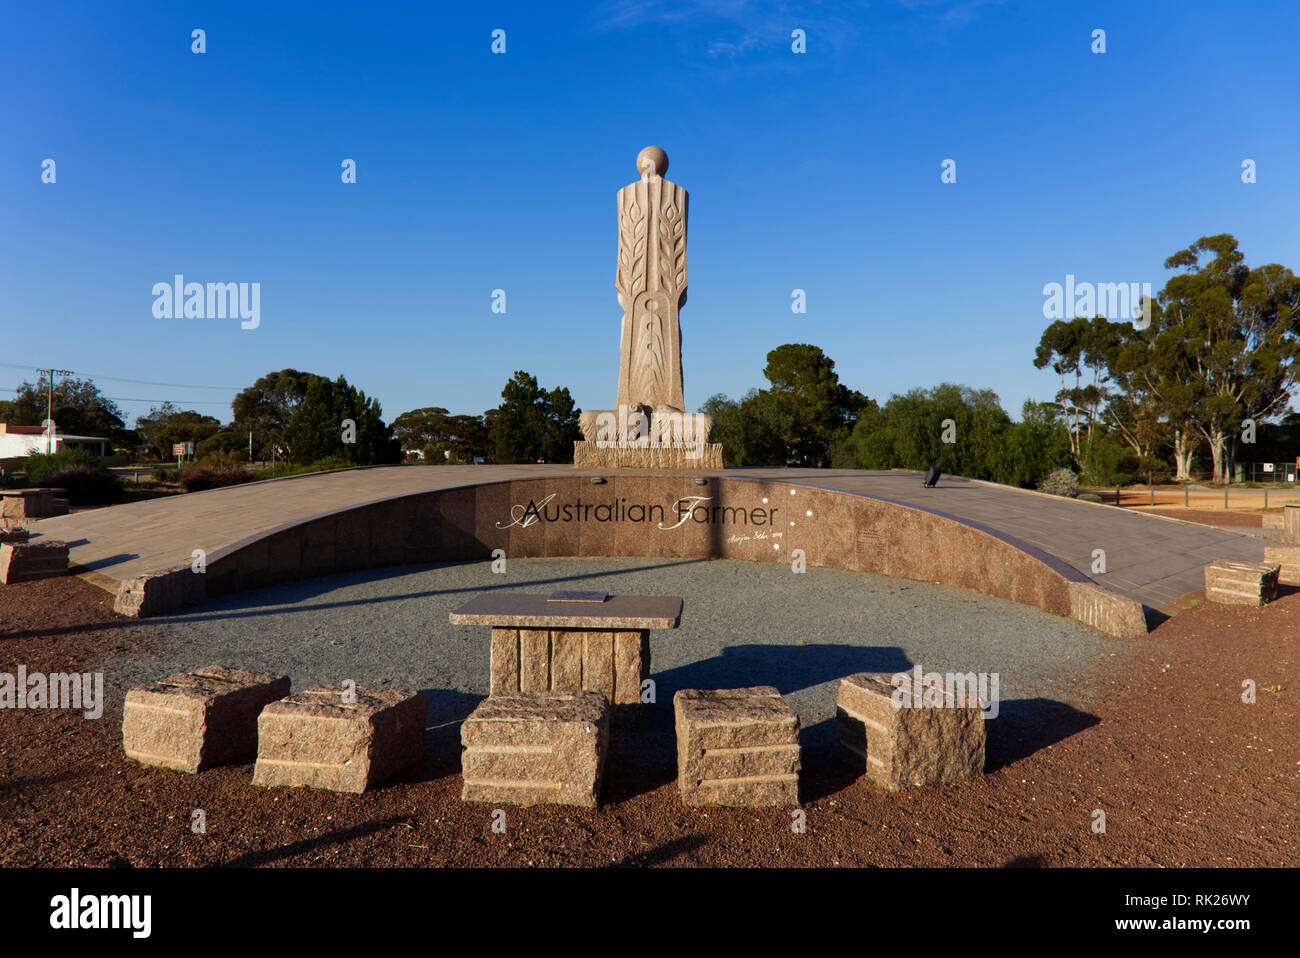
(477, 171)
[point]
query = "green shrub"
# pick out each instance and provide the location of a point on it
(40, 466)
(231, 445)
(331, 462)
(162, 474)
(1060, 482)
(87, 485)
(320, 465)
(1156, 468)
(1104, 462)
(213, 472)
(1088, 497)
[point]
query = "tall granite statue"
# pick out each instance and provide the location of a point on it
(650, 426)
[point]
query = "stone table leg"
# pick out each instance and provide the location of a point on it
(572, 660)
(505, 661)
(631, 665)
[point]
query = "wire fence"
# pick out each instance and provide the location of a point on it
(1273, 471)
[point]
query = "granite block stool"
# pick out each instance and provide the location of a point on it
(344, 742)
(899, 739)
(1287, 559)
(195, 720)
(24, 561)
(532, 748)
(1241, 583)
(736, 747)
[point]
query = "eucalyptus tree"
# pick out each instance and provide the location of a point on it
(1227, 343)
(1078, 348)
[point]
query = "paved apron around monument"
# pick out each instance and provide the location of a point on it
(743, 624)
(1151, 559)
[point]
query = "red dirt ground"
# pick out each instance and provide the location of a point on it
(1186, 773)
(1246, 520)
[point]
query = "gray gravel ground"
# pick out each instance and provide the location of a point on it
(743, 624)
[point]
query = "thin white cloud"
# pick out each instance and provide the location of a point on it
(950, 13)
(741, 26)
(624, 14)
(723, 48)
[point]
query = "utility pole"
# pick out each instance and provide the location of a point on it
(49, 407)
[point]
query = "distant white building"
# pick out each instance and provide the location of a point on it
(18, 441)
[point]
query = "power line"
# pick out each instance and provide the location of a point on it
(146, 382)
(194, 402)
(123, 379)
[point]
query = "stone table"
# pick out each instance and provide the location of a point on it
(571, 641)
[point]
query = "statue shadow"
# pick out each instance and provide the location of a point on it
(294, 591)
(287, 597)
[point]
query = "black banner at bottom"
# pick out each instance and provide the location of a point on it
(306, 906)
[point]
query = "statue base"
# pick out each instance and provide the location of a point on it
(607, 455)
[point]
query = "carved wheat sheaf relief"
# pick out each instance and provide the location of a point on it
(672, 248)
(631, 278)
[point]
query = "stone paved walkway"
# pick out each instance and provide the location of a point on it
(1151, 559)
(1148, 558)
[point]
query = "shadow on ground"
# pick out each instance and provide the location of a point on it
(448, 708)
(789, 668)
(1024, 726)
(643, 742)
(337, 837)
(643, 746)
(661, 854)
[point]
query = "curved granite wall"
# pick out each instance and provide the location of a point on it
(647, 515)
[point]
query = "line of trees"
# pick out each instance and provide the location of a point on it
(961, 430)
(304, 418)
(806, 417)
(443, 437)
(301, 418)
(79, 408)
(1215, 367)
(1216, 362)
(795, 421)
(531, 424)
